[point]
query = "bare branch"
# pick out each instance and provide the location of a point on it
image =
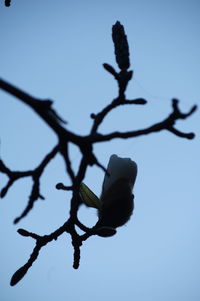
(44, 108)
(61, 186)
(65, 154)
(98, 118)
(12, 175)
(166, 124)
(41, 241)
(35, 174)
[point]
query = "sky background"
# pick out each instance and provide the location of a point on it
(55, 49)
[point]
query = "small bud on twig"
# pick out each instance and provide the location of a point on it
(121, 46)
(105, 231)
(23, 232)
(111, 70)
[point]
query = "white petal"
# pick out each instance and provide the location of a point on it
(119, 168)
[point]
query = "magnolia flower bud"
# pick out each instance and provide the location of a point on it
(115, 205)
(117, 199)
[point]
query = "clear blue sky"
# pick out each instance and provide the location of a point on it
(55, 49)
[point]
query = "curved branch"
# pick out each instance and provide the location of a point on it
(166, 124)
(98, 118)
(43, 108)
(41, 241)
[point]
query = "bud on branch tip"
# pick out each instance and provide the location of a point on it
(121, 46)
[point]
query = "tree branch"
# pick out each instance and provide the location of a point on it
(166, 124)
(41, 241)
(98, 118)
(35, 174)
(44, 108)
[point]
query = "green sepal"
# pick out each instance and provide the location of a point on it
(88, 197)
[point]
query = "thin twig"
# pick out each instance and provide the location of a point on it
(35, 174)
(166, 124)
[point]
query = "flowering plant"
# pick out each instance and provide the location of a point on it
(115, 206)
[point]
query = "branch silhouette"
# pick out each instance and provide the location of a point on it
(35, 174)
(44, 108)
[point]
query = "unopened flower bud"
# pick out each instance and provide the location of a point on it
(117, 197)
